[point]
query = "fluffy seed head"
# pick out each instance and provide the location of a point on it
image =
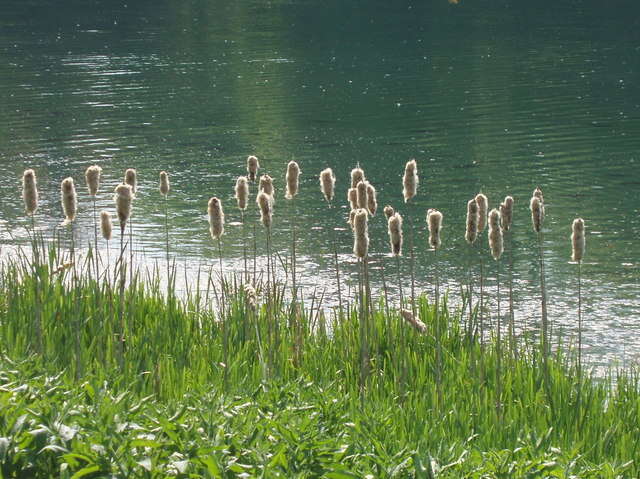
(434, 221)
(242, 192)
(538, 194)
(372, 202)
(92, 177)
(131, 178)
(472, 221)
(252, 167)
(389, 211)
(577, 239)
(216, 218)
(394, 224)
(537, 213)
(265, 204)
(164, 183)
(352, 196)
(69, 199)
(293, 174)
(506, 213)
(361, 233)
(495, 234)
(250, 296)
(483, 207)
(410, 180)
(106, 227)
(361, 191)
(123, 199)
(357, 175)
(266, 185)
(327, 183)
(352, 216)
(418, 325)
(30, 191)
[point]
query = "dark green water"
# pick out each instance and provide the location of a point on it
(492, 95)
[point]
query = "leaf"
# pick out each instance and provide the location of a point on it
(212, 466)
(341, 474)
(4, 447)
(85, 471)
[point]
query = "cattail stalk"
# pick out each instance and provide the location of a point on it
(292, 181)
(242, 197)
(92, 177)
(471, 235)
(106, 228)
(409, 189)
(123, 199)
(30, 192)
(434, 223)
(483, 205)
(536, 206)
(577, 253)
(327, 186)
(131, 179)
(30, 198)
(506, 218)
(496, 247)
(360, 250)
(164, 191)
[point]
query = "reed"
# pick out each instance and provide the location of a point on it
(123, 199)
(30, 199)
(496, 246)
(327, 187)
(30, 192)
(242, 198)
(471, 234)
(292, 182)
(92, 178)
(434, 224)
(506, 220)
(352, 197)
(216, 229)
(131, 179)
(577, 253)
(409, 190)
(106, 228)
(361, 250)
(536, 205)
(483, 205)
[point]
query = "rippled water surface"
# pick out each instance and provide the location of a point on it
(495, 96)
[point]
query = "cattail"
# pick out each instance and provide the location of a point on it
(266, 185)
(434, 221)
(357, 175)
(416, 323)
(389, 211)
(123, 198)
(216, 218)
(537, 213)
(352, 196)
(131, 179)
(266, 208)
(164, 183)
(105, 224)
(327, 183)
(395, 233)
(472, 221)
(92, 177)
(252, 167)
(242, 192)
(293, 173)
(577, 239)
(361, 191)
(538, 194)
(483, 207)
(372, 202)
(352, 216)
(30, 191)
(69, 199)
(495, 234)
(410, 180)
(250, 296)
(361, 233)
(506, 213)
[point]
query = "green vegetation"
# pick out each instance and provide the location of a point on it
(277, 389)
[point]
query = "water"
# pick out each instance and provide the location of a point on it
(489, 96)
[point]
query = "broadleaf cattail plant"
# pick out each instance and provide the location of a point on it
(123, 198)
(483, 205)
(361, 250)
(92, 178)
(106, 228)
(471, 234)
(327, 184)
(394, 226)
(577, 253)
(506, 220)
(164, 188)
(242, 198)
(30, 198)
(216, 228)
(292, 180)
(265, 204)
(434, 223)
(536, 205)
(409, 190)
(496, 247)
(372, 202)
(357, 175)
(131, 179)
(252, 167)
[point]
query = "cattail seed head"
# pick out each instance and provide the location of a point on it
(394, 225)
(483, 208)
(327, 183)
(352, 196)
(495, 234)
(131, 179)
(352, 216)
(472, 221)
(293, 174)
(242, 192)
(361, 233)
(250, 296)
(389, 211)
(538, 194)
(252, 167)
(266, 185)
(361, 190)
(30, 191)
(410, 180)
(106, 227)
(265, 204)
(69, 199)
(418, 325)
(123, 199)
(372, 202)
(434, 221)
(216, 218)
(164, 183)
(92, 177)
(506, 213)
(537, 213)
(357, 175)
(577, 239)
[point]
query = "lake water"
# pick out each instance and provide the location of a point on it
(495, 96)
